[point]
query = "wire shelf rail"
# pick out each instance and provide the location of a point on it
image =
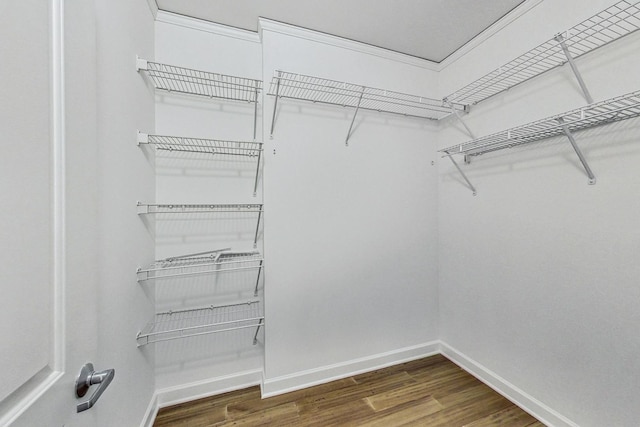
(153, 209)
(613, 23)
(216, 261)
(172, 325)
(597, 114)
(172, 78)
(201, 145)
(144, 208)
(324, 91)
(315, 89)
(206, 146)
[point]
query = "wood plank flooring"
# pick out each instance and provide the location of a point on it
(426, 392)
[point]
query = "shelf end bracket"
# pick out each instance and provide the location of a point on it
(142, 138)
(457, 114)
(471, 187)
(560, 39)
(585, 165)
(141, 64)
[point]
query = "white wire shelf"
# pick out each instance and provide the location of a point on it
(315, 89)
(201, 145)
(613, 23)
(172, 325)
(153, 209)
(172, 78)
(597, 114)
(209, 262)
(206, 146)
(144, 208)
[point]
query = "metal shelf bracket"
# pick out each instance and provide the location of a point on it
(141, 64)
(255, 111)
(346, 142)
(585, 165)
(467, 159)
(255, 291)
(255, 182)
(561, 39)
(275, 106)
(255, 337)
(471, 187)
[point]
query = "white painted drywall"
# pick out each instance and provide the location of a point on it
(350, 232)
(124, 176)
(183, 365)
(538, 272)
(374, 266)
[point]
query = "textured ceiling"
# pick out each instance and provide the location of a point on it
(428, 29)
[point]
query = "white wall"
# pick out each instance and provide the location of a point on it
(339, 253)
(350, 232)
(227, 359)
(538, 272)
(125, 103)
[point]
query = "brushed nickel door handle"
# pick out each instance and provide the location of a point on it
(88, 377)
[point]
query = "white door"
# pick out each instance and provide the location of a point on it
(48, 243)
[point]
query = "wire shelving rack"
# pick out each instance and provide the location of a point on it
(601, 113)
(156, 209)
(216, 261)
(144, 208)
(613, 23)
(201, 321)
(172, 78)
(597, 114)
(215, 147)
(324, 91)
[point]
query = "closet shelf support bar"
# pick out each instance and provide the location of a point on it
(446, 101)
(346, 142)
(560, 39)
(255, 183)
(255, 113)
(255, 291)
(275, 107)
(255, 239)
(585, 165)
(255, 336)
(471, 187)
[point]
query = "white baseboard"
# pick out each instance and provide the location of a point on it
(528, 403)
(151, 412)
(299, 380)
(198, 390)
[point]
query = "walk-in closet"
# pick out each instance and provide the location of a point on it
(364, 206)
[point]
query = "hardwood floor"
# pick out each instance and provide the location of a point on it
(426, 392)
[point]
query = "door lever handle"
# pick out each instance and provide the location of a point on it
(88, 377)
